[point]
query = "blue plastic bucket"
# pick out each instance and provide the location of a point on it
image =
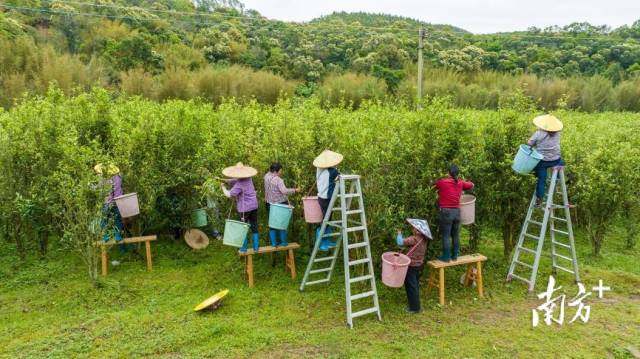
(235, 232)
(526, 160)
(280, 216)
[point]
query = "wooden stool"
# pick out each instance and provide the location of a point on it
(147, 243)
(290, 263)
(473, 260)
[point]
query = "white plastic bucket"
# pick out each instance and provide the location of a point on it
(467, 209)
(128, 205)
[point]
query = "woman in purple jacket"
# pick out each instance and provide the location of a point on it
(110, 212)
(246, 199)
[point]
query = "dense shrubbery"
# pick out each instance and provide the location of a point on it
(166, 150)
(180, 50)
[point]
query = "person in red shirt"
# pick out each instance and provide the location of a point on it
(449, 193)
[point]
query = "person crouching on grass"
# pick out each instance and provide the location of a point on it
(275, 192)
(246, 199)
(449, 193)
(418, 243)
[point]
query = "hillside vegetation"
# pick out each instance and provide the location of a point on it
(172, 49)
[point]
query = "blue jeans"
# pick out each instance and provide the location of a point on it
(541, 172)
(450, 231)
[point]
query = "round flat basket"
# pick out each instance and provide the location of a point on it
(212, 302)
(196, 239)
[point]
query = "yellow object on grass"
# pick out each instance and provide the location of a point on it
(212, 301)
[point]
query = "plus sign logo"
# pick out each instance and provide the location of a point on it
(600, 289)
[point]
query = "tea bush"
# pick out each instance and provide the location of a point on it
(165, 150)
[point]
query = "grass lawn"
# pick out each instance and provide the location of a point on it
(49, 309)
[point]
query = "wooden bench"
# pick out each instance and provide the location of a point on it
(290, 263)
(473, 260)
(147, 243)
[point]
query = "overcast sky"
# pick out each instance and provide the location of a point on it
(479, 16)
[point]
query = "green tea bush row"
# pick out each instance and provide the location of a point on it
(48, 146)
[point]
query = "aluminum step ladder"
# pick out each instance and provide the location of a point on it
(557, 217)
(346, 227)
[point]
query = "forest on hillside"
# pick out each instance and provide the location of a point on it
(214, 49)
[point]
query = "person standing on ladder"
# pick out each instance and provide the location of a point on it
(449, 193)
(326, 176)
(275, 192)
(546, 141)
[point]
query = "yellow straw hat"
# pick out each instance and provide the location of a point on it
(112, 170)
(548, 123)
(212, 302)
(327, 159)
(239, 171)
(196, 239)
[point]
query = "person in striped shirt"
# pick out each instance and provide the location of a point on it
(275, 192)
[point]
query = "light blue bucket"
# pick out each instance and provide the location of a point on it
(235, 232)
(280, 216)
(526, 160)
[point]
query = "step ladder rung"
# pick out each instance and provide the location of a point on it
(564, 269)
(355, 229)
(527, 250)
(357, 245)
(351, 195)
(319, 281)
(332, 234)
(323, 259)
(524, 264)
(535, 222)
(561, 206)
(362, 295)
(561, 244)
(360, 279)
(322, 270)
(364, 312)
(355, 211)
(558, 219)
(359, 261)
(531, 236)
(563, 257)
(561, 232)
(519, 277)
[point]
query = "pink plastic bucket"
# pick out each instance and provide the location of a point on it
(312, 210)
(467, 209)
(128, 205)
(394, 269)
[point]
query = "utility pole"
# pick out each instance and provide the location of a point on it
(420, 46)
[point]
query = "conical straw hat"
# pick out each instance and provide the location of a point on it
(548, 123)
(421, 225)
(327, 159)
(239, 171)
(209, 302)
(196, 239)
